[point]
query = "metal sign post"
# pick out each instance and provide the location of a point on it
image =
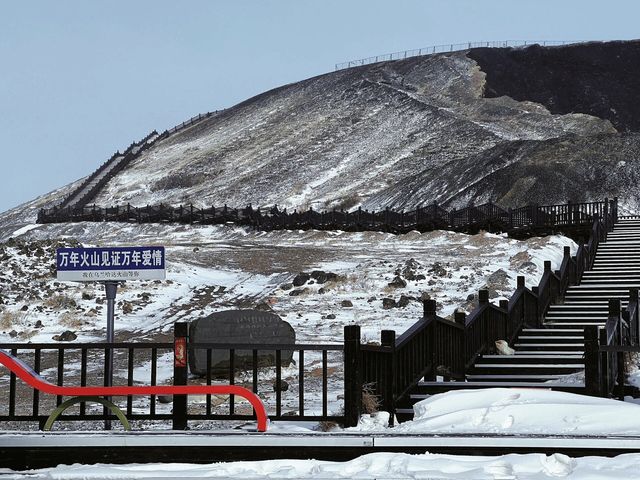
(110, 289)
(110, 265)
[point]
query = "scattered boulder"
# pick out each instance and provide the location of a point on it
(528, 266)
(388, 303)
(264, 307)
(127, 307)
(25, 308)
(165, 398)
(404, 301)
(298, 291)
(301, 279)
(346, 303)
(281, 386)
(322, 291)
(321, 277)
(13, 334)
(66, 336)
(438, 270)
(330, 316)
(88, 296)
(409, 270)
(286, 286)
(503, 348)
(38, 324)
(398, 282)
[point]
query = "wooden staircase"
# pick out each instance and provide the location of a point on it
(547, 357)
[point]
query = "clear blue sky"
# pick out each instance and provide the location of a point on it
(80, 79)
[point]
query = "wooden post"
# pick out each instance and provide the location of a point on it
(460, 318)
(634, 323)
(603, 360)
(591, 361)
(352, 376)
(181, 340)
(520, 282)
(429, 315)
(388, 339)
(483, 296)
(429, 308)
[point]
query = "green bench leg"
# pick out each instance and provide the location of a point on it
(72, 401)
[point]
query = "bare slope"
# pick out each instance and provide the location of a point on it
(350, 137)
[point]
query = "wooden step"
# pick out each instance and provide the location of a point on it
(431, 388)
(513, 377)
(578, 346)
(524, 339)
(537, 368)
(556, 331)
(574, 319)
(575, 324)
(548, 352)
(531, 358)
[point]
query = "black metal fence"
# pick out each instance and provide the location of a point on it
(310, 391)
(82, 364)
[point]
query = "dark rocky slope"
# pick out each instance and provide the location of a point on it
(599, 79)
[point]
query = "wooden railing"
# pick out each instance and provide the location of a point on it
(605, 366)
(132, 152)
(438, 346)
(471, 219)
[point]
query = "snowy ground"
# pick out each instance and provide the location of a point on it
(490, 411)
(215, 268)
(373, 466)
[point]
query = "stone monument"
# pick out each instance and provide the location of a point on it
(236, 327)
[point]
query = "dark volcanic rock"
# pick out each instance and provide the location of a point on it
(301, 279)
(397, 282)
(322, 277)
(66, 336)
(388, 303)
(599, 79)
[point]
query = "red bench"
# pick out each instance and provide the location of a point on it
(26, 374)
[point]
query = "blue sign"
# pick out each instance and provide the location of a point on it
(110, 263)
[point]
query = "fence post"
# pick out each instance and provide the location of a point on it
(388, 339)
(181, 335)
(483, 296)
(591, 361)
(634, 323)
(352, 376)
